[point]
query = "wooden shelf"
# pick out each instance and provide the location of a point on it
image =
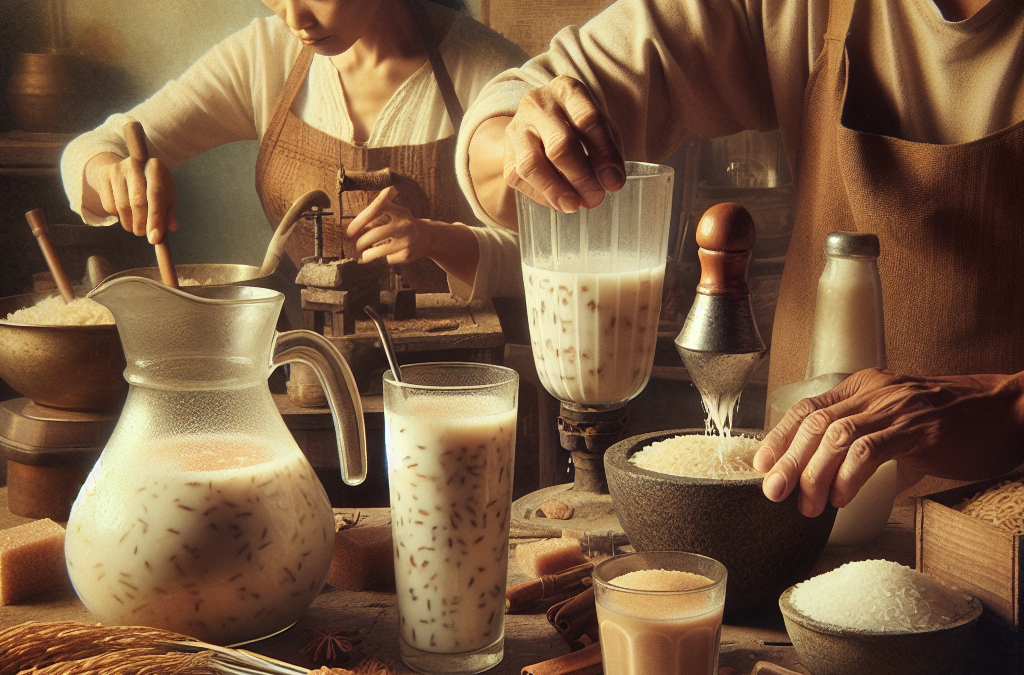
(28, 154)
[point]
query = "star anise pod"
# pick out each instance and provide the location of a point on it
(329, 647)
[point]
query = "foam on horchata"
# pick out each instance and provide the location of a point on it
(660, 606)
(449, 466)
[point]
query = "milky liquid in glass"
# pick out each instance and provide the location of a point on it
(665, 634)
(449, 469)
(220, 537)
(593, 334)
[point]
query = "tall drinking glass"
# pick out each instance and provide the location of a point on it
(660, 612)
(593, 283)
(450, 434)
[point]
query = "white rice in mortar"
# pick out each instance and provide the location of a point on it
(697, 456)
(879, 595)
(52, 311)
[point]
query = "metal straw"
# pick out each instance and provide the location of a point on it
(385, 341)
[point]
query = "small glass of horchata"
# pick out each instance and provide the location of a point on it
(450, 434)
(660, 612)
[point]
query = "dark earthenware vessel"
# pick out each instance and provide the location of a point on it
(765, 546)
(828, 650)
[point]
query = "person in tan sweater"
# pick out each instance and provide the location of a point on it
(900, 117)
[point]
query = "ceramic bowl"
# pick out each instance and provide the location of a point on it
(67, 367)
(765, 546)
(825, 649)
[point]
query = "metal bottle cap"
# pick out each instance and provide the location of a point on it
(852, 245)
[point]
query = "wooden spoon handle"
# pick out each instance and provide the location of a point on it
(135, 137)
(37, 221)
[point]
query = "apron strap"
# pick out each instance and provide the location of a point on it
(441, 75)
(281, 109)
(840, 14)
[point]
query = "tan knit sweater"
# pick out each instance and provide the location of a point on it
(662, 69)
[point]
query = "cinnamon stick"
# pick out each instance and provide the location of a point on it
(576, 617)
(586, 661)
(548, 587)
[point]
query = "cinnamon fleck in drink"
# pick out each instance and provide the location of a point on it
(450, 438)
(660, 612)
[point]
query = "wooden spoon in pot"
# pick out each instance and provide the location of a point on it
(135, 137)
(37, 221)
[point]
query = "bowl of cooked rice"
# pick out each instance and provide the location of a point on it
(879, 617)
(684, 490)
(60, 355)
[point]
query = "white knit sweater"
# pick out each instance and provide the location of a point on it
(229, 95)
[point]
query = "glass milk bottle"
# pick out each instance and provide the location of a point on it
(848, 335)
(202, 515)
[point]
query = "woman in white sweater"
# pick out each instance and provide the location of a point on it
(324, 84)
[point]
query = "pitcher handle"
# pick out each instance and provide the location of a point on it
(335, 377)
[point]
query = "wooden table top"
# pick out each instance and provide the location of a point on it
(528, 637)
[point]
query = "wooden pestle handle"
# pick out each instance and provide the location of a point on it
(135, 137)
(725, 236)
(37, 221)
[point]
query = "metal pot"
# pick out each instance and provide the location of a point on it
(67, 367)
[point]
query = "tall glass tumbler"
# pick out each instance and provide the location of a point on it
(593, 283)
(450, 436)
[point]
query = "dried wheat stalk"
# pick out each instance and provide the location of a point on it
(72, 648)
(33, 644)
(132, 662)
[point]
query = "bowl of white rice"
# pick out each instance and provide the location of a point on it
(66, 356)
(879, 617)
(683, 490)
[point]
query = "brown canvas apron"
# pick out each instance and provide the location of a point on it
(950, 220)
(295, 158)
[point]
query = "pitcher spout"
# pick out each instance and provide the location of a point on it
(202, 337)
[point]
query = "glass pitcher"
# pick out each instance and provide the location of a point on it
(593, 284)
(202, 516)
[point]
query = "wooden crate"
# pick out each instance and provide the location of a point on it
(980, 558)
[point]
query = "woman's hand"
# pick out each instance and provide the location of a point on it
(141, 195)
(385, 228)
(559, 148)
(964, 427)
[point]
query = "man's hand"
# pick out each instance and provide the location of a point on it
(965, 427)
(559, 149)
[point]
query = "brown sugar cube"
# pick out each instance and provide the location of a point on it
(31, 560)
(549, 556)
(363, 559)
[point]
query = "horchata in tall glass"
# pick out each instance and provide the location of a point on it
(450, 433)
